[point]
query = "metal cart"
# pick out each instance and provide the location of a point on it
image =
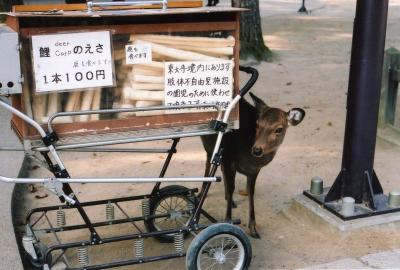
(220, 244)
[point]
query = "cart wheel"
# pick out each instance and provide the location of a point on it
(222, 245)
(40, 252)
(169, 203)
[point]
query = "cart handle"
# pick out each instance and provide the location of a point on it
(91, 4)
(243, 91)
(253, 79)
(126, 110)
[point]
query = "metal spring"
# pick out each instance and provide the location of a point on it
(139, 247)
(83, 256)
(179, 242)
(110, 213)
(61, 220)
(146, 207)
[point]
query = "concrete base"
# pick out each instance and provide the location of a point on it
(308, 208)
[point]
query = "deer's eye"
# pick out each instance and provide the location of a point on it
(278, 130)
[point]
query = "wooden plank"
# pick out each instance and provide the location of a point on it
(13, 23)
(131, 12)
(17, 124)
(80, 7)
(236, 72)
(136, 29)
(45, 8)
(127, 124)
(236, 55)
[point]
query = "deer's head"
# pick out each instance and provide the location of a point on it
(272, 124)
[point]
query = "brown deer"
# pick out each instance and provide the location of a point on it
(248, 149)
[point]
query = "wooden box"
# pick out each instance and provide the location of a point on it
(175, 35)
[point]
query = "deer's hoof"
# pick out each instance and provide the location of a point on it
(243, 192)
(228, 220)
(253, 233)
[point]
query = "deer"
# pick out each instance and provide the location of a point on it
(251, 147)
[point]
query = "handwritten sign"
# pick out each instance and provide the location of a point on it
(198, 83)
(72, 61)
(138, 53)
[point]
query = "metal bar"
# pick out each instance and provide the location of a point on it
(203, 194)
(131, 140)
(362, 103)
(126, 215)
(115, 150)
(33, 123)
(123, 3)
(122, 110)
(120, 238)
(133, 261)
(225, 120)
(67, 194)
(100, 224)
(100, 202)
(243, 91)
(208, 216)
(8, 107)
(91, 4)
(59, 242)
(171, 152)
(116, 180)
(38, 219)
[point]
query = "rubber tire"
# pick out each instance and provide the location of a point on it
(40, 251)
(164, 192)
(214, 230)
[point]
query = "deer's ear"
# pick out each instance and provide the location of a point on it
(260, 105)
(295, 116)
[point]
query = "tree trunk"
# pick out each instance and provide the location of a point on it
(251, 37)
(6, 5)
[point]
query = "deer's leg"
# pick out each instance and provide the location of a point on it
(208, 166)
(251, 180)
(229, 174)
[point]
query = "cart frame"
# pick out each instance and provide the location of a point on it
(60, 184)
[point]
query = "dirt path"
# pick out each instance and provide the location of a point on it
(310, 71)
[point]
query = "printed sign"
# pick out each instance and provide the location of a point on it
(138, 53)
(72, 61)
(198, 83)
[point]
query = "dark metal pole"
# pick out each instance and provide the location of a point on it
(357, 178)
(303, 8)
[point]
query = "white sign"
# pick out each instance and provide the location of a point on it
(138, 53)
(72, 61)
(198, 83)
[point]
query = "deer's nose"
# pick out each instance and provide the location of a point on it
(257, 151)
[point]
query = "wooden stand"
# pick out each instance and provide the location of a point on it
(126, 22)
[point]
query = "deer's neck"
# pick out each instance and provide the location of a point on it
(248, 119)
